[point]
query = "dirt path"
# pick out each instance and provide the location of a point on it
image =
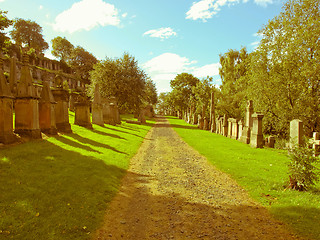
(172, 192)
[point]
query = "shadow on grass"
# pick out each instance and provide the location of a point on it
(69, 142)
(304, 220)
(48, 192)
(117, 130)
(106, 134)
(94, 143)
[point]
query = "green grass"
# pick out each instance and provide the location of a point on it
(262, 172)
(59, 188)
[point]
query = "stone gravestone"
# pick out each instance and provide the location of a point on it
(256, 138)
(235, 130)
(13, 74)
(116, 112)
(296, 133)
(212, 114)
(246, 132)
(142, 117)
(229, 128)
(6, 110)
(82, 111)
(315, 141)
(97, 113)
(61, 96)
(240, 124)
(225, 126)
(27, 104)
(47, 116)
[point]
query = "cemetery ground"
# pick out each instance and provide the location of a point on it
(60, 188)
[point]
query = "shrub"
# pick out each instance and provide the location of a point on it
(302, 170)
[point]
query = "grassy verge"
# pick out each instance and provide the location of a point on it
(59, 188)
(262, 172)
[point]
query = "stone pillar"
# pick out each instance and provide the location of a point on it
(270, 141)
(229, 128)
(142, 117)
(116, 113)
(212, 114)
(256, 138)
(61, 96)
(246, 132)
(296, 133)
(6, 110)
(13, 74)
(27, 104)
(235, 129)
(97, 113)
(225, 126)
(82, 111)
(47, 116)
(240, 129)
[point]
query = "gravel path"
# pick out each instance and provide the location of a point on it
(172, 192)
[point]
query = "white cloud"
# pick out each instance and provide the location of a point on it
(166, 66)
(205, 9)
(124, 15)
(263, 3)
(86, 15)
(207, 70)
(40, 7)
(161, 33)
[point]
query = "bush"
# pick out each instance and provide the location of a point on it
(302, 170)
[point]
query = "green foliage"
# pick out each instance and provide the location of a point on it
(122, 78)
(62, 49)
(285, 69)
(5, 22)
(302, 170)
(262, 172)
(182, 94)
(202, 95)
(28, 33)
(150, 93)
(234, 66)
(82, 63)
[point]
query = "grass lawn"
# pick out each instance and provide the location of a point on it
(262, 172)
(59, 188)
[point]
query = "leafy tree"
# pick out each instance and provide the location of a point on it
(234, 66)
(202, 95)
(29, 33)
(150, 92)
(285, 69)
(122, 78)
(4, 23)
(165, 103)
(182, 94)
(82, 63)
(62, 49)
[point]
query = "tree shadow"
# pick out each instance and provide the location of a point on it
(117, 130)
(140, 213)
(48, 191)
(69, 142)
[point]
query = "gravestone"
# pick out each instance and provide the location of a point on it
(6, 109)
(61, 96)
(212, 114)
(82, 111)
(27, 104)
(315, 141)
(296, 133)
(97, 113)
(246, 132)
(235, 130)
(256, 138)
(225, 126)
(240, 124)
(142, 117)
(13, 74)
(229, 128)
(270, 141)
(47, 116)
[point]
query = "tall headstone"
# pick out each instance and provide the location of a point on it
(212, 114)
(256, 138)
(97, 113)
(240, 124)
(82, 111)
(229, 127)
(61, 96)
(225, 126)
(13, 74)
(47, 116)
(6, 109)
(296, 133)
(27, 104)
(235, 129)
(246, 132)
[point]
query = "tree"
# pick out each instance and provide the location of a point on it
(82, 63)
(4, 23)
(285, 69)
(122, 78)
(202, 95)
(182, 94)
(234, 66)
(29, 33)
(62, 49)
(150, 92)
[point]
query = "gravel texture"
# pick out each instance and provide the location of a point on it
(172, 192)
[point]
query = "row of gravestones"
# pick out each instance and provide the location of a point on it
(48, 112)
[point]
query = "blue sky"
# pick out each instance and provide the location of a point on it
(167, 37)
